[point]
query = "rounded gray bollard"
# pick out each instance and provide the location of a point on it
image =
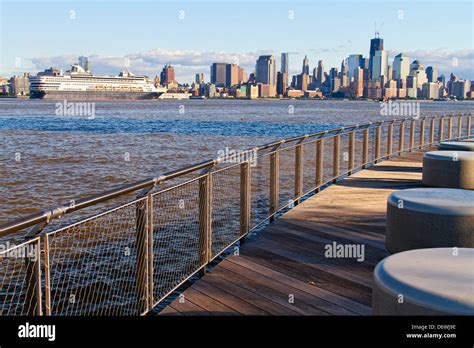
(436, 281)
(429, 218)
(453, 169)
(456, 146)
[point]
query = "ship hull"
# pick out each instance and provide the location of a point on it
(68, 95)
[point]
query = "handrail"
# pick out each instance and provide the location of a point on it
(44, 217)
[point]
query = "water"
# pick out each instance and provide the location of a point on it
(47, 160)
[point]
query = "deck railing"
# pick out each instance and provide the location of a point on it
(127, 259)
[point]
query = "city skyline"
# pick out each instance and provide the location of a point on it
(448, 52)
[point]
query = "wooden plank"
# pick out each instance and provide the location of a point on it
(288, 257)
(321, 293)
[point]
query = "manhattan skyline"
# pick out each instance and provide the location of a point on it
(142, 36)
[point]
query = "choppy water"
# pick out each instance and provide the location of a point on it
(47, 160)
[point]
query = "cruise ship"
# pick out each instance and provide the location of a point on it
(79, 84)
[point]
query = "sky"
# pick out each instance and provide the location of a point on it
(142, 35)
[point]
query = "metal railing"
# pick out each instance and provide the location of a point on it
(128, 259)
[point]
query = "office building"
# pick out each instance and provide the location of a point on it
(20, 85)
(84, 63)
(231, 75)
(380, 65)
(401, 66)
(200, 78)
(265, 70)
(358, 82)
(218, 74)
(354, 61)
(282, 83)
(305, 69)
(376, 44)
(460, 88)
(320, 77)
(167, 75)
(285, 63)
(432, 74)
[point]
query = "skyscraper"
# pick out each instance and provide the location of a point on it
(379, 65)
(84, 63)
(305, 69)
(285, 63)
(432, 74)
(167, 74)
(265, 70)
(282, 83)
(354, 61)
(401, 67)
(218, 74)
(231, 75)
(376, 44)
(320, 73)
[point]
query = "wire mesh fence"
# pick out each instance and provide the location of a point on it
(20, 279)
(127, 259)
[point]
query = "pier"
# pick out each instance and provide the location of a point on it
(258, 237)
(284, 271)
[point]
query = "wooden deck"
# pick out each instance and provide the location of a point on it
(284, 271)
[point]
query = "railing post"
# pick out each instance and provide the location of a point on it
(33, 281)
(142, 256)
(298, 173)
(401, 138)
(244, 199)
(432, 131)
(378, 132)
(422, 133)
(274, 183)
(47, 276)
(365, 148)
(151, 266)
(336, 157)
(350, 165)
(459, 127)
(468, 126)
(412, 136)
(205, 196)
(389, 140)
(319, 163)
(441, 130)
(450, 127)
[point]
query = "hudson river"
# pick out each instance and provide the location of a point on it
(47, 160)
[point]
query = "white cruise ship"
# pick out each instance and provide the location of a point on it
(78, 84)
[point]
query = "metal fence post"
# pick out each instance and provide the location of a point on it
(450, 127)
(142, 256)
(459, 126)
(205, 196)
(245, 190)
(432, 131)
(298, 173)
(378, 132)
(150, 250)
(422, 133)
(441, 130)
(389, 140)
(412, 136)
(274, 183)
(365, 148)
(319, 162)
(468, 126)
(336, 157)
(47, 276)
(401, 138)
(350, 165)
(33, 281)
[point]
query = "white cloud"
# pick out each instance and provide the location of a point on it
(460, 62)
(187, 62)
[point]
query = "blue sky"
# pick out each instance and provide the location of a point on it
(142, 35)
